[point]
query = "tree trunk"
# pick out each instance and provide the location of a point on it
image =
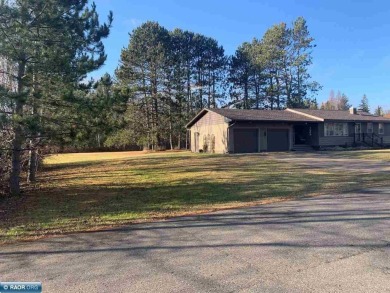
(246, 103)
(32, 164)
(179, 141)
(278, 102)
(16, 154)
(18, 139)
(32, 155)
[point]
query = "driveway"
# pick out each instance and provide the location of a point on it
(334, 243)
(330, 162)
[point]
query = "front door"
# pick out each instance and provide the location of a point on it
(300, 134)
(358, 131)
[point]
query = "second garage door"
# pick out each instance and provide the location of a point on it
(278, 140)
(246, 141)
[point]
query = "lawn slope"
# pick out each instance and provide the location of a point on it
(79, 192)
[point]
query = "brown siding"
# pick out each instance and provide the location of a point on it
(210, 118)
(211, 124)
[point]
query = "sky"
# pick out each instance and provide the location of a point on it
(352, 53)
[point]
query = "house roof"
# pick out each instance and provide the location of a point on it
(289, 115)
(254, 115)
(342, 115)
(262, 115)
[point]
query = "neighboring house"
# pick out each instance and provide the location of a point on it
(250, 131)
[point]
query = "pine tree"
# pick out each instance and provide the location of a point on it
(302, 44)
(53, 45)
(240, 71)
(363, 106)
(280, 60)
(143, 72)
(379, 111)
(169, 75)
(343, 103)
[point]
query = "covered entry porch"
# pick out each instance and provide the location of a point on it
(305, 136)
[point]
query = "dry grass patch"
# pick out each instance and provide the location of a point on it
(382, 154)
(79, 192)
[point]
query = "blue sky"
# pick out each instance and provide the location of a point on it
(352, 37)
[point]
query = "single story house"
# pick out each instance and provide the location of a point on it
(250, 131)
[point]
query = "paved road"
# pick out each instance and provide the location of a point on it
(322, 244)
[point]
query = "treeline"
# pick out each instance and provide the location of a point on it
(170, 75)
(340, 101)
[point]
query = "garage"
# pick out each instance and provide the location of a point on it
(246, 140)
(278, 140)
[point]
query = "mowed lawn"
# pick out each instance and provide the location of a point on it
(79, 192)
(381, 154)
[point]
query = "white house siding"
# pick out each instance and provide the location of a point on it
(211, 124)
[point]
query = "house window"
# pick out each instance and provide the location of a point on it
(370, 127)
(381, 128)
(336, 129)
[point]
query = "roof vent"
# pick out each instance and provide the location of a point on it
(352, 111)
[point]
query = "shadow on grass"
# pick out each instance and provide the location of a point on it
(105, 192)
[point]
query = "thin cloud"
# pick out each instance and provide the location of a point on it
(132, 22)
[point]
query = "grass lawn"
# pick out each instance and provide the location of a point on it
(383, 155)
(79, 192)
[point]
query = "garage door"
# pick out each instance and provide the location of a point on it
(246, 141)
(278, 140)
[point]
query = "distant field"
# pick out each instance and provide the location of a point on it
(79, 192)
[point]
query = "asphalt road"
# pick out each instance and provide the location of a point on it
(335, 243)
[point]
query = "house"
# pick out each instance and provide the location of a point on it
(250, 131)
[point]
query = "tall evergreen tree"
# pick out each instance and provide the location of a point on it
(169, 77)
(143, 71)
(52, 44)
(344, 102)
(240, 72)
(302, 44)
(364, 106)
(379, 111)
(278, 64)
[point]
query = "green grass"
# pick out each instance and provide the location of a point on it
(79, 192)
(382, 155)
